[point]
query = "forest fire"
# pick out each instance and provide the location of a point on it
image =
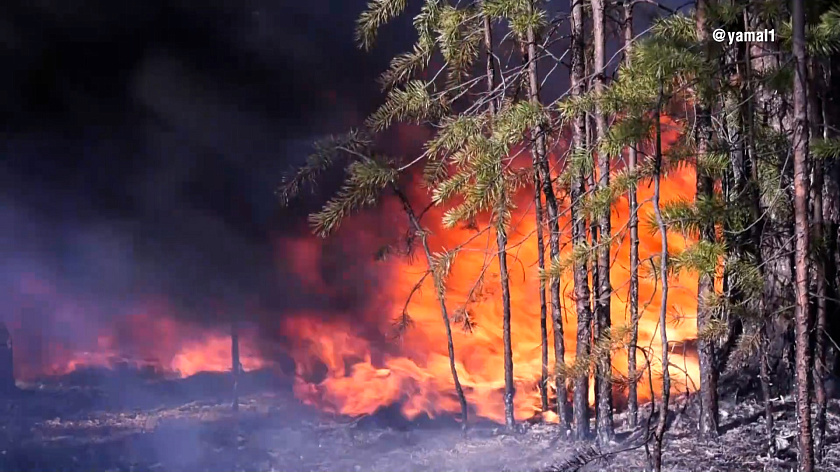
(149, 342)
(413, 369)
(359, 361)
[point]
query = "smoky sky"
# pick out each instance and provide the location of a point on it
(142, 141)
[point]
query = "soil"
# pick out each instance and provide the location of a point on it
(107, 421)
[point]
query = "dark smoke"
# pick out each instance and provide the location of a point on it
(141, 146)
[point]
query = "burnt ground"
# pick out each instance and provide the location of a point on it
(111, 421)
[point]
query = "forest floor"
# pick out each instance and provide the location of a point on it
(116, 422)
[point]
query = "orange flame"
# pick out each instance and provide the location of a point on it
(153, 340)
(414, 370)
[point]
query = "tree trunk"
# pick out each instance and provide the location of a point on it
(581, 282)
(708, 421)
(7, 372)
(552, 209)
(606, 433)
(501, 244)
(831, 208)
(663, 308)
(415, 224)
(236, 366)
(802, 243)
(541, 264)
(633, 225)
(818, 256)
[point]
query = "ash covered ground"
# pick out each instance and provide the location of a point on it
(123, 421)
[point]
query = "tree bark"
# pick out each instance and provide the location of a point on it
(633, 225)
(544, 177)
(802, 242)
(818, 258)
(708, 420)
(604, 406)
(581, 282)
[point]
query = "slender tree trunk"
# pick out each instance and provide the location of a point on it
(606, 432)
(633, 225)
(236, 366)
(501, 244)
(818, 257)
(831, 208)
(552, 209)
(415, 224)
(753, 197)
(541, 263)
(802, 243)
(581, 281)
(708, 421)
(594, 276)
(663, 308)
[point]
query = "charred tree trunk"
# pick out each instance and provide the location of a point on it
(661, 425)
(633, 225)
(802, 242)
(544, 178)
(581, 281)
(236, 366)
(604, 406)
(415, 224)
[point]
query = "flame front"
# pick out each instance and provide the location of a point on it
(413, 371)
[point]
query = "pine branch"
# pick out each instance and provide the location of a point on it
(377, 13)
(364, 183)
(327, 152)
